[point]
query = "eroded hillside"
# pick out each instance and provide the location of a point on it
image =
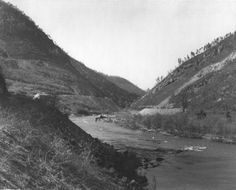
(33, 63)
(206, 81)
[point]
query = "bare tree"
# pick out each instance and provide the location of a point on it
(158, 80)
(192, 54)
(179, 61)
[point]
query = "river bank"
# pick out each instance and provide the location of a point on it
(214, 127)
(206, 165)
(123, 139)
(142, 144)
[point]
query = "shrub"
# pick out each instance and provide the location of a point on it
(186, 124)
(82, 112)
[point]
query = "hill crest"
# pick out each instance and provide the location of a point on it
(125, 84)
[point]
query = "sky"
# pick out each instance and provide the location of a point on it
(135, 39)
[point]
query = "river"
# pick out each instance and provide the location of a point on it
(206, 166)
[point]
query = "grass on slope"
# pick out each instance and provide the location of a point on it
(33, 76)
(41, 149)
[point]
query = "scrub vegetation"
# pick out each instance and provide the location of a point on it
(42, 149)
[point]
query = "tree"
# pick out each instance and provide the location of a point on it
(3, 91)
(179, 61)
(184, 101)
(3, 88)
(158, 80)
(192, 54)
(184, 98)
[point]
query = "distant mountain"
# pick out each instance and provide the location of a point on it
(205, 81)
(33, 63)
(126, 85)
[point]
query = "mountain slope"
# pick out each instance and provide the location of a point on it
(33, 63)
(42, 149)
(126, 85)
(206, 81)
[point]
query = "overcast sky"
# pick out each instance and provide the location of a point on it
(135, 39)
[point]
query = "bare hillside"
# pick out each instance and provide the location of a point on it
(205, 81)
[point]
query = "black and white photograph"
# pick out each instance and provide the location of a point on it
(117, 94)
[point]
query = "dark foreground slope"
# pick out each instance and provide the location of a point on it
(40, 148)
(126, 85)
(206, 81)
(32, 63)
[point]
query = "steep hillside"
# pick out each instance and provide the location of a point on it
(32, 63)
(40, 148)
(205, 81)
(126, 85)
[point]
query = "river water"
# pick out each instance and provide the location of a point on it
(206, 166)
